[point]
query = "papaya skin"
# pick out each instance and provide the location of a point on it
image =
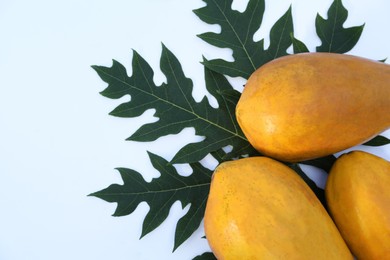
(305, 106)
(358, 196)
(258, 208)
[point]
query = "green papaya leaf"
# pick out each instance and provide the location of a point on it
(298, 46)
(175, 106)
(378, 140)
(334, 37)
(324, 163)
(205, 256)
(320, 193)
(237, 31)
(160, 194)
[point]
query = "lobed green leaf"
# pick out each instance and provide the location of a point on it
(237, 32)
(334, 37)
(160, 194)
(175, 107)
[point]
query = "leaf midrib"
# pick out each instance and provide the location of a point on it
(172, 104)
(236, 34)
(173, 190)
(334, 28)
(281, 36)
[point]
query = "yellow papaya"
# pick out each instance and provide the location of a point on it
(358, 196)
(258, 208)
(305, 106)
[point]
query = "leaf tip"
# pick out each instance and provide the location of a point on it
(164, 47)
(175, 247)
(93, 194)
(198, 11)
(112, 113)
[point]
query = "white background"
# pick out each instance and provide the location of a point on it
(57, 141)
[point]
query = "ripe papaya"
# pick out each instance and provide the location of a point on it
(305, 106)
(358, 196)
(258, 208)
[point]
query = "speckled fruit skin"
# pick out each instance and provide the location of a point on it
(358, 196)
(309, 105)
(258, 208)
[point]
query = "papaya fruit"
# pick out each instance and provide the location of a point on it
(304, 106)
(258, 208)
(358, 196)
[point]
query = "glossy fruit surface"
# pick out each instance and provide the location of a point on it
(358, 196)
(259, 208)
(305, 106)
